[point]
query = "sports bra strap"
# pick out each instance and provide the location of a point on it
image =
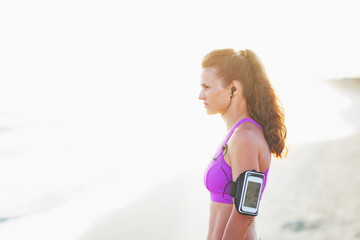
(238, 124)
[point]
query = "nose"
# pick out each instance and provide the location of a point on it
(201, 95)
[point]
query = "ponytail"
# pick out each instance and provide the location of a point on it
(264, 106)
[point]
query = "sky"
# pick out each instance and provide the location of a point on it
(92, 54)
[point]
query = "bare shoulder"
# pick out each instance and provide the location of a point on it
(248, 149)
(247, 135)
(245, 146)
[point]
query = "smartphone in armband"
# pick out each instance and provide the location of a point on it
(246, 191)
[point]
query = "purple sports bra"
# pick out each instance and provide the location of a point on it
(218, 175)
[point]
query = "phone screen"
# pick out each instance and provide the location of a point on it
(252, 194)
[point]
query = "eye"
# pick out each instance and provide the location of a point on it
(205, 86)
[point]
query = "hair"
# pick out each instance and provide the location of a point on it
(262, 103)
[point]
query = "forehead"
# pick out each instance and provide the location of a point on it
(209, 74)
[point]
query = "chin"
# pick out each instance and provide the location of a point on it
(209, 112)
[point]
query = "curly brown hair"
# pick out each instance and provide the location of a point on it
(262, 103)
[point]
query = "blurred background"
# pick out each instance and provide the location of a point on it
(98, 99)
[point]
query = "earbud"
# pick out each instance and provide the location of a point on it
(233, 89)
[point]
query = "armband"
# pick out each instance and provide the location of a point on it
(246, 191)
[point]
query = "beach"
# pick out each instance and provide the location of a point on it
(312, 194)
(103, 136)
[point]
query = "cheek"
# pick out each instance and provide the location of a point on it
(217, 99)
(215, 95)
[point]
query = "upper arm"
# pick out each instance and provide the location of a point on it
(243, 155)
(243, 152)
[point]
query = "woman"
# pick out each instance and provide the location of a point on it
(235, 85)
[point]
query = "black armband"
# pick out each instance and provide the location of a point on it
(246, 191)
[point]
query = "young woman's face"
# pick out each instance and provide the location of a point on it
(216, 98)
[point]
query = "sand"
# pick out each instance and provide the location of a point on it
(177, 209)
(313, 194)
(305, 199)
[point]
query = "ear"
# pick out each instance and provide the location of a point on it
(236, 88)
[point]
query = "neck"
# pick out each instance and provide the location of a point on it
(236, 111)
(231, 121)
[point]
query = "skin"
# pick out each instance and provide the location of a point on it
(247, 149)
